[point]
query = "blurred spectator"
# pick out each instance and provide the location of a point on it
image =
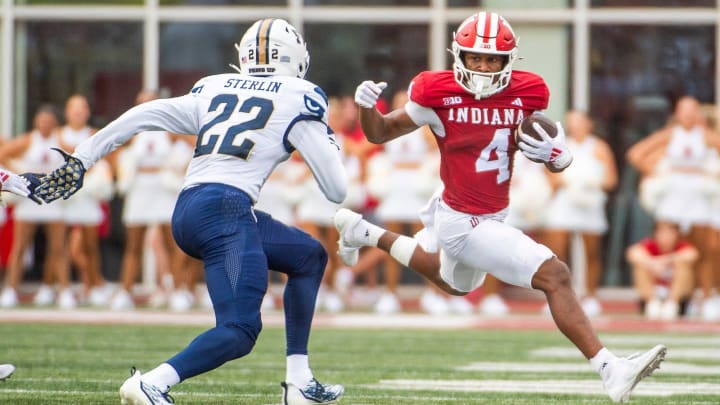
(578, 203)
(83, 213)
(31, 152)
(148, 202)
(185, 270)
(314, 211)
(678, 188)
(662, 271)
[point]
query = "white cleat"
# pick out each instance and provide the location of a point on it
(66, 299)
(6, 370)
(45, 296)
(122, 301)
(591, 306)
(388, 304)
(313, 393)
(268, 303)
(433, 303)
(332, 302)
(135, 392)
(100, 295)
(349, 244)
(622, 375)
(181, 301)
(460, 305)
(494, 305)
(9, 298)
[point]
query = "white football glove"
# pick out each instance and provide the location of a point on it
(550, 150)
(368, 92)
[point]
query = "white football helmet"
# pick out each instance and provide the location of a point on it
(272, 47)
(486, 33)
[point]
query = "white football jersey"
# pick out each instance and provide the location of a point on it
(245, 125)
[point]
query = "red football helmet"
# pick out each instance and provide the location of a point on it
(486, 33)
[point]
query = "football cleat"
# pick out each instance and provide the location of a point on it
(135, 392)
(349, 244)
(623, 374)
(6, 371)
(313, 393)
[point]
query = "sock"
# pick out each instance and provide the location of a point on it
(298, 370)
(373, 233)
(163, 376)
(601, 360)
(402, 249)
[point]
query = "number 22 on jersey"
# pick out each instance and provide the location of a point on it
(207, 142)
(501, 162)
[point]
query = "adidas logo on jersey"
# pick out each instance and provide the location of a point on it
(517, 102)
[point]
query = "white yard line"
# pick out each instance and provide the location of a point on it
(666, 368)
(636, 340)
(591, 387)
(697, 353)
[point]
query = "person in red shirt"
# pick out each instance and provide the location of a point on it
(473, 111)
(662, 270)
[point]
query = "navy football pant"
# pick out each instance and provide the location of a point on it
(216, 223)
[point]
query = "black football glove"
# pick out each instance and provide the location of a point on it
(64, 181)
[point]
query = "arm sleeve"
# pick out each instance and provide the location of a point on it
(322, 155)
(176, 115)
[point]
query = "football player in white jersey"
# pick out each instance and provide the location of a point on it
(246, 124)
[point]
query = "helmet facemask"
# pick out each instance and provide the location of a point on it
(496, 39)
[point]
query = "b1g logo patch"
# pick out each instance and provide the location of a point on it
(452, 100)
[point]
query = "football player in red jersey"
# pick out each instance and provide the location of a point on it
(473, 111)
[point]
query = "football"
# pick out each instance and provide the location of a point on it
(526, 127)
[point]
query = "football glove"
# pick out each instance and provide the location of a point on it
(22, 184)
(553, 151)
(64, 181)
(368, 92)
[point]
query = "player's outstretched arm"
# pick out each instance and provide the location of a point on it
(379, 128)
(174, 115)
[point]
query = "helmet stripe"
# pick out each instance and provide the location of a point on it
(262, 45)
(486, 27)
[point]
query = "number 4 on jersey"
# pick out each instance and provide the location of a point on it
(499, 143)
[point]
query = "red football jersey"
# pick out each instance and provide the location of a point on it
(478, 145)
(653, 249)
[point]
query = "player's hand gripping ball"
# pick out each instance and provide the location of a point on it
(526, 127)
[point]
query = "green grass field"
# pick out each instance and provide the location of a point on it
(86, 364)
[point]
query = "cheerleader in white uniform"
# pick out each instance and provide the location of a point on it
(185, 270)
(682, 192)
(578, 204)
(314, 213)
(32, 153)
(83, 213)
(147, 203)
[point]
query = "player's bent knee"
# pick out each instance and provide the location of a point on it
(317, 259)
(552, 275)
(243, 336)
